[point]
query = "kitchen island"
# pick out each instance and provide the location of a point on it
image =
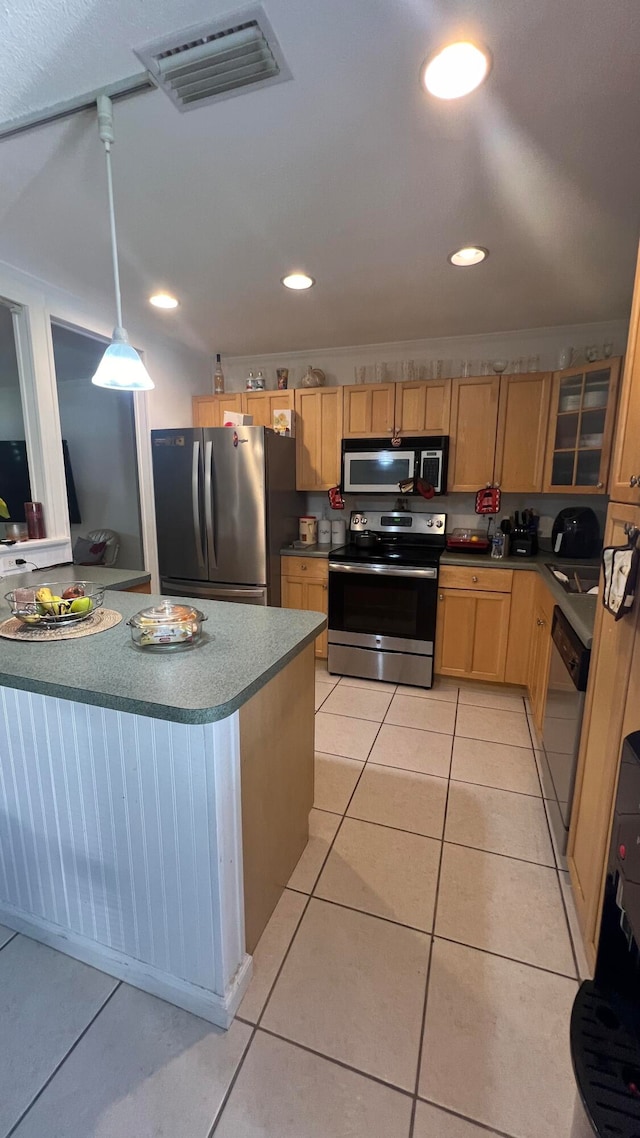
(153, 805)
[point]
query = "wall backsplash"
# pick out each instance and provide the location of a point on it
(459, 508)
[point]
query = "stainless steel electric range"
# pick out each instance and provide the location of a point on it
(383, 597)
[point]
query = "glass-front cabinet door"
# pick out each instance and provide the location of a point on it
(583, 408)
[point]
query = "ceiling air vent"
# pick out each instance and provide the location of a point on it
(216, 60)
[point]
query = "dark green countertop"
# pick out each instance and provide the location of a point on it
(243, 647)
(111, 578)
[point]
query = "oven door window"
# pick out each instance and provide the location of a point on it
(376, 605)
(378, 470)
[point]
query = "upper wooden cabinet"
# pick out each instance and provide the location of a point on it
(208, 409)
(318, 437)
(369, 409)
(423, 407)
(523, 418)
(474, 423)
(624, 484)
(262, 404)
(414, 408)
(583, 407)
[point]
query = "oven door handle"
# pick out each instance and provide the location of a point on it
(384, 570)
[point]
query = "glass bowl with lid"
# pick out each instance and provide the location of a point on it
(166, 625)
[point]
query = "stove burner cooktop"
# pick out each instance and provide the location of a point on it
(401, 538)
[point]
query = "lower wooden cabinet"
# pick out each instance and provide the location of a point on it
(305, 585)
(540, 651)
(473, 623)
(612, 709)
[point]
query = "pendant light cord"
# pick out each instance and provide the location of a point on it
(114, 242)
(105, 128)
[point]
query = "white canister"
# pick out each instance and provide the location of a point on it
(308, 530)
(338, 531)
(324, 531)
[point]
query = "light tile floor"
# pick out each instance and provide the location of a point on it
(415, 979)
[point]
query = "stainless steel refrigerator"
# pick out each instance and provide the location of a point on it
(226, 503)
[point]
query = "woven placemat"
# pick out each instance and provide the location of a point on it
(99, 621)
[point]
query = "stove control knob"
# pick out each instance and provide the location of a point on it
(430, 522)
(439, 525)
(364, 521)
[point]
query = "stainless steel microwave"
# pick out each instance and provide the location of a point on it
(374, 466)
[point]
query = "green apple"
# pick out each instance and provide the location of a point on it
(81, 604)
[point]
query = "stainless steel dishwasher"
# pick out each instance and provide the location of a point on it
(568, 671)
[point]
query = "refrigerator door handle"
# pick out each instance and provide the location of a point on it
(208, 504)
(195, 503)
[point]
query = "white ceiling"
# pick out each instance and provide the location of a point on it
(348, 171)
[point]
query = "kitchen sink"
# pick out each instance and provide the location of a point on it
(578, 578)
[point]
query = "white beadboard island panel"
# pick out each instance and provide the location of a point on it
(121, 844)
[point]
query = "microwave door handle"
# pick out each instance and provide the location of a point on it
(208, 504)
(195, 503)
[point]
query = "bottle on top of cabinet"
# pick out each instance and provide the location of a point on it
(218, 377)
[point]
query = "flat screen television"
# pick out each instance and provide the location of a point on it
(15, 486)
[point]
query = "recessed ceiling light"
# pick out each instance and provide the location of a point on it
(298, 281)
(470, 255)
(163, 300)
(455, 70)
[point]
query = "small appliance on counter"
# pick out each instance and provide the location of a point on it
(576, 533)
(468, 541)
(523, 540)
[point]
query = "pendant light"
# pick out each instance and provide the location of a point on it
(120, 367)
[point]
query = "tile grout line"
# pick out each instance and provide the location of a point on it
(257, 1026)
(63, 1060)
(423, 1023)
(465, 1118)
(557, 868)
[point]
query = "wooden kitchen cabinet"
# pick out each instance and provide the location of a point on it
(583, 408)
(474, 424)
(523, 600)
(472, 626)
(540, 650)
(369, 410)
(624, 483)
(610, 711)
(523, 419)
(263, 404)
(420, 407)
(319, 413)
(305, 584)
(208, 409)
(423, 407)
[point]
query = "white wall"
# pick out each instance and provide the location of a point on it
(179, 372)
(98, 426)
(11, 417)
(339, 364)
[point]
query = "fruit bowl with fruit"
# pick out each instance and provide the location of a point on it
(56, 603)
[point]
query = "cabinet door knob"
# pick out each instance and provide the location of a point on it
(303, 568)
(440, 597)
(599, 485)
(540, 623)
(474, 579)
(634, 480)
